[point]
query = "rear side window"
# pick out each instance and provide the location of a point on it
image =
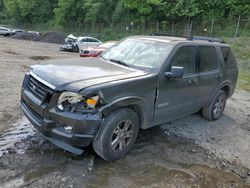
(208, 60)
(92, 40)
(228, 57)
(84, 40)
(185, 57)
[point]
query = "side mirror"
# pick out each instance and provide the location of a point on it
(176, 72)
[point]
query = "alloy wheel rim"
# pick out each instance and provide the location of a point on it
(122, 135)
(219, 106)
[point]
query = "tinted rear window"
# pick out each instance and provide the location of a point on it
(207, 58)
(228, 57)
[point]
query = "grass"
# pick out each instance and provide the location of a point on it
(244, 80)
(241, 49)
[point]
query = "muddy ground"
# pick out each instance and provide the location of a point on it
(191, 152)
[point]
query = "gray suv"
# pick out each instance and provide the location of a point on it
(140, 82)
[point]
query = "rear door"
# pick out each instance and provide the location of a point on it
(178, 97)
(209, 71)
(93, 42)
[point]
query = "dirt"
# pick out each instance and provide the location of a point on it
(16, 57)
(51, 37)
(191, 152)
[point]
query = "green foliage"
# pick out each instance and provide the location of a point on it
(74, 14)
(29, 11)
(70, 12)
(241, 50)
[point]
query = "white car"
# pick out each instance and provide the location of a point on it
(85, 42)
(5, 31)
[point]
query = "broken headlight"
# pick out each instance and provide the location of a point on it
(74, 102)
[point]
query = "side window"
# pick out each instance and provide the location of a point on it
(207, 58)
(89, 40)
(84, 40)
(92, 40)
(228, 57)
(185, 57)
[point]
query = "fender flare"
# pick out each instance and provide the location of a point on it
(227, 83)
(138, 104)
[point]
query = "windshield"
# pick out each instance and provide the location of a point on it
(144, 54)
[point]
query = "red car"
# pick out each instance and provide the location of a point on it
(94, 51)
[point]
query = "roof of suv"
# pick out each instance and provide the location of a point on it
(177, 40)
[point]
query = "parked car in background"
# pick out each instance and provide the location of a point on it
(16, 31)
(5, 31)
(85, 42)
(94, 51)
(35, 32)
(69, 43)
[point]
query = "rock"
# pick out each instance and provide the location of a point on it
(223, 164)
(91, 164)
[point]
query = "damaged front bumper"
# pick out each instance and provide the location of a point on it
(66, 130)
(66, 47)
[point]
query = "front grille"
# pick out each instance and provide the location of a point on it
(39, 90)
(31, 112)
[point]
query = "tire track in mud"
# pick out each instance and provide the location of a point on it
(12, 140)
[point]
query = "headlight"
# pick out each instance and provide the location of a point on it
(74, 102)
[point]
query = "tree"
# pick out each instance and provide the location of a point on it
(70, 12)
(30, 11)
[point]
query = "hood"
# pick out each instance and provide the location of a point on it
(78, 73)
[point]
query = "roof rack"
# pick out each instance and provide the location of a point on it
(209, 39)
(165, 34)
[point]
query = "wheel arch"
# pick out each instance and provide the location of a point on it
(225, 86)
(137, 104)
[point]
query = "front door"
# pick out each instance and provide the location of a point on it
(177, 97)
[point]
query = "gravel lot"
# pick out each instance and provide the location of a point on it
(191, 152)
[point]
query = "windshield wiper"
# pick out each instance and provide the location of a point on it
(119, 62)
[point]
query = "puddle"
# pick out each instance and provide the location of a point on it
(17, 182)
(157, 175)
(11, 141)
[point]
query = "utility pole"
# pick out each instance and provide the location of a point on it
(212, 28)
(237, 27)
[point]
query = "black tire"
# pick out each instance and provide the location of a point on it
(75, 49)
(216, 107)
(113, 131)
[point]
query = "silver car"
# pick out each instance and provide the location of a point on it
(84, 42)
(5, 31)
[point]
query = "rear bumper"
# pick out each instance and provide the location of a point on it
(66, 130)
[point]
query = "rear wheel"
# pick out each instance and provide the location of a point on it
(216, 107)
(118, 134)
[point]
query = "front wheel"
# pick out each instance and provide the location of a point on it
(75, 48)
(117, 135)
(216, 107)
